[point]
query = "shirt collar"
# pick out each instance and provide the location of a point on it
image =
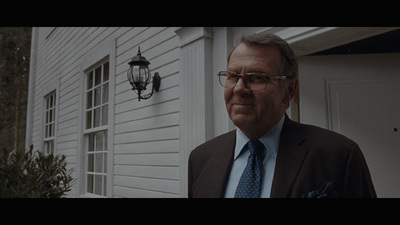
(270, 139)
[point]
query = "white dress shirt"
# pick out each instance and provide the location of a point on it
(271, 142)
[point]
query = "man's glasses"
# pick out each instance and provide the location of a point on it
(252, 81)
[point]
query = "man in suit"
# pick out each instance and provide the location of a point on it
(270, 155)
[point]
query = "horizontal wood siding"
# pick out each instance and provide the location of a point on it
(146, 133)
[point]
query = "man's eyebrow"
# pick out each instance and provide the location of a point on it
(258, 71)
(255, 70)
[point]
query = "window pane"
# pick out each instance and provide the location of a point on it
(90, 162)
(46, 147)
(52, 147)
(89, 120)
(97, 117)
(90, 183)
(45, 131)
(105, 93)
(105, 140)
(105, 163)
(47, 103)
(97, 73)
(89, 99)
(51, 101)
(106, 71)
(91, 143)
(50, 115)
(90, 80)
(99, 141)
(50, 130)
(54, 114)
(54, 100)
(99, 162)
(104, 116)
(98, 181)
(105, 185)
(97, 96)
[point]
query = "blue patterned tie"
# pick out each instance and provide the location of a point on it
(250, 182)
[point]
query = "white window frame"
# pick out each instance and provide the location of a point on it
(103, 52)
(92, 131)
(49, 122)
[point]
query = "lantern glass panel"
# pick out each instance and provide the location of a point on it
(130, 74)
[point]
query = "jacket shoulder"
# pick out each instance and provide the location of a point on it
(208, 165)
(208, 148)
(324, 136)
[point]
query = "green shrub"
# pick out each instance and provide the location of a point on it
(33, 175)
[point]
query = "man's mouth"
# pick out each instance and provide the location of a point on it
(242, 106)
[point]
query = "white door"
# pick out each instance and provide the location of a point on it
(359, 97)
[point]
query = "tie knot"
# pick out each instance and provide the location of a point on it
(256, 148)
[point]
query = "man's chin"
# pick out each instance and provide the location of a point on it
(242, 120)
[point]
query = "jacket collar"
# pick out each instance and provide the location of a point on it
(289, 159)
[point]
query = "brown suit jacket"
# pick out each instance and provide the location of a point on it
(308, 157)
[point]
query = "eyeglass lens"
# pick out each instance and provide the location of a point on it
(253, 82)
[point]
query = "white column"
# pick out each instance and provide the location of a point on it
(196, 93)
(222, 46)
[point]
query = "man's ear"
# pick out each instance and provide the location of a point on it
(290, 90)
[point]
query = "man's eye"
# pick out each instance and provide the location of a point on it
(256, 78)
(232, 76)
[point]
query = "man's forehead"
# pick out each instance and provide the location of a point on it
(237, 67)
(252, 63)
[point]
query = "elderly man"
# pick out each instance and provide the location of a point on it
(270, 155)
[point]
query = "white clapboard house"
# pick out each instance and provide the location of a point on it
(82, 105)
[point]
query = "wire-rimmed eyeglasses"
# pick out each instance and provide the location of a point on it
(252, 81)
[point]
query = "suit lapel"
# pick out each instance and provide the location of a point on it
(218, 168)
(289, 159)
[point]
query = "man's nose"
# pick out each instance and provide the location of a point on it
(240, 87)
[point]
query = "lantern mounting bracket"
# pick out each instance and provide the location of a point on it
(156, 87)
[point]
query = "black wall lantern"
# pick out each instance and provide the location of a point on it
(139, 76)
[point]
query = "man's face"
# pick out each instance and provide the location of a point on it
(259, 109)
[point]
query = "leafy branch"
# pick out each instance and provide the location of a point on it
(33, 175)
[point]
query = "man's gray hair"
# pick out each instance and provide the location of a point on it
(289, 61)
